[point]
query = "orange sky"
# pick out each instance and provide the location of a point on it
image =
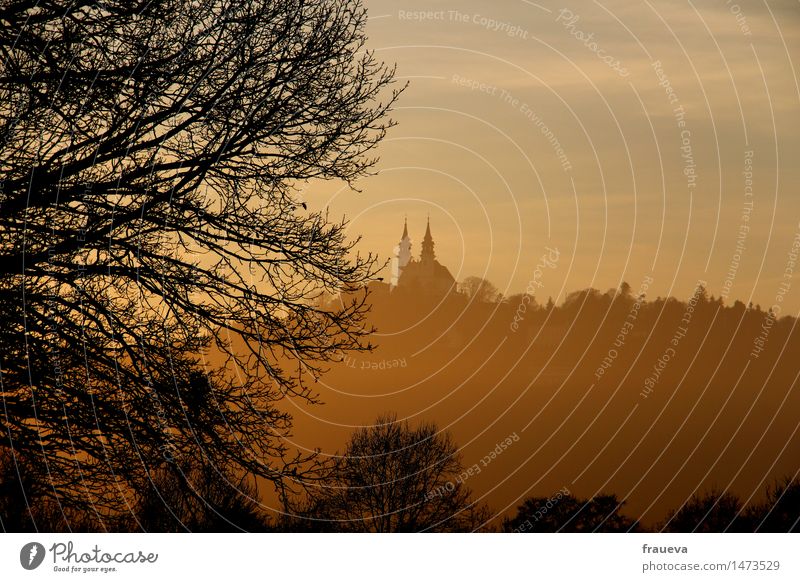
(617, 132)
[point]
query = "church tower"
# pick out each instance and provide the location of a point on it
(427, 255)
(402, 255)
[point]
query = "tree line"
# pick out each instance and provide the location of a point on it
(382, 483)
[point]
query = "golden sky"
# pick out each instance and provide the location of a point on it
(637, 138)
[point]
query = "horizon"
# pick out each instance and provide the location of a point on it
(727, 300)
(491, 111)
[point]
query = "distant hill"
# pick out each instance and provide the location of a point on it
(648, 399)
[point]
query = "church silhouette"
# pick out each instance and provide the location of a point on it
(424, 276)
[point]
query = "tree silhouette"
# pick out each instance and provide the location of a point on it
(19, 495)
(202, 499)
(625, 290)
(26, 504)
(150, 156)
(780, 513)
(479, 290)
(712, 512)
(563, 512)
(394, 478)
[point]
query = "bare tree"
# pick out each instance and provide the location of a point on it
(26, 503)
(712, 512)
(203, 498)
(394, 478)
(151, 154)
(780, 512)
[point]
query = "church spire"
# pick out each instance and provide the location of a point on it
(402, 255)
(427, 245)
